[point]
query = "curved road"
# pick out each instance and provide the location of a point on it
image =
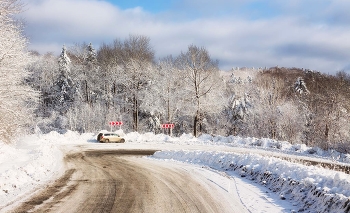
(122, 181)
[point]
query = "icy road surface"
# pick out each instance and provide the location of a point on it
(42, 172)
(117, 181)
(121, 180)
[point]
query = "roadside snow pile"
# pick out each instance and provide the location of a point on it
(33, 160)
(23, 168)
(311, 189)
(147, 137)
(283, 146)
(236, 141)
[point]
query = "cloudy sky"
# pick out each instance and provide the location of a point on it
(312, 34)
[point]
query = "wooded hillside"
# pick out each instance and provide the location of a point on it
(84, 89)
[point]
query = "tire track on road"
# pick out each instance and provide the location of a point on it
(121, 181)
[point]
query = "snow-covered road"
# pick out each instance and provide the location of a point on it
(94, 169)
(261, 182)
(115, 180)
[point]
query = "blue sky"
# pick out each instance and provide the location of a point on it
(151, 6)
(197, 9)
(312, 34)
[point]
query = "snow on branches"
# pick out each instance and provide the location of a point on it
(16, 98)
(64, 62)
(300, 86)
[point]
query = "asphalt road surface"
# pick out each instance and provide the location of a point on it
(123, 181)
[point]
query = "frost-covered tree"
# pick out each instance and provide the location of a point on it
(52, 77)
(328, 110)
(91, 77)
(64, 91)
(240, 107)
(300, 86)
(43, 74)
(239, 104)
(136, 72)
(64, 62)
(84, 69)
(269, 97)
(201, 75)
(16, 97)
(166, 97)
(154, 124)
(91, 58)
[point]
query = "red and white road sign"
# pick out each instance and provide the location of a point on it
(167, 126)
(115, 123)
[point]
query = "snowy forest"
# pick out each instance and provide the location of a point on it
(84, 88)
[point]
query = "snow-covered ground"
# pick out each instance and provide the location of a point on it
(253, 166)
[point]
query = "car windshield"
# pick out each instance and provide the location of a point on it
(111, 134)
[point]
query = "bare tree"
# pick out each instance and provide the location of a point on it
(274, 113)
(328, 104)
(166, 96)
(43, 73)
(201, 74)
(136, 72)
(85, 69)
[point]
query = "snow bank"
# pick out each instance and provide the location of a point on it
(236, 141)
(281, 146)
(148, 137)
(312, 189)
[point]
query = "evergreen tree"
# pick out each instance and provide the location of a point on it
(91, 56)
(300, 86)
(64, 62)
(64, 89)
(90, 74)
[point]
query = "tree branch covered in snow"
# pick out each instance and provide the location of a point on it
(15, 110)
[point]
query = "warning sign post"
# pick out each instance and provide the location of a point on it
(168, 126)
(115, 123)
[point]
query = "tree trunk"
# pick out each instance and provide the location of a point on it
(86, 92)
(135, 115)
(168, 109)
(195, 124)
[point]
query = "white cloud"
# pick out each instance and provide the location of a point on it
(234, 40)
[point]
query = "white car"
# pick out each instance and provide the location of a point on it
(109, 137)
